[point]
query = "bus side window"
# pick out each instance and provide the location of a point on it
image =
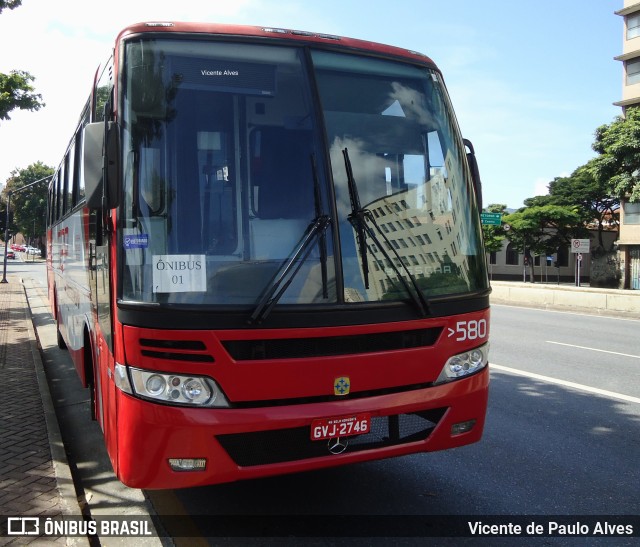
(70, 162)
(103, 90)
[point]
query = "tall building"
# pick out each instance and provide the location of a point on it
(629, 242)
(630, 54)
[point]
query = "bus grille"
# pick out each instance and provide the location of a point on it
(285, 445)
(193, 351)
(292, 348)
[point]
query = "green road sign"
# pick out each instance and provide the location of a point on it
(494, 219)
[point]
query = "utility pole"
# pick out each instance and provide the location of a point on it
(6, 227)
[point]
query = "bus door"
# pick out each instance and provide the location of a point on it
(101, 294)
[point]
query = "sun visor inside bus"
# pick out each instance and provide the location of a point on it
(153, 88)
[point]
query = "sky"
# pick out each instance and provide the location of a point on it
(530, 80)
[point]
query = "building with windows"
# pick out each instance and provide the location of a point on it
(629, 243)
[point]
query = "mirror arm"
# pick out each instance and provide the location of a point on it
(475, 172)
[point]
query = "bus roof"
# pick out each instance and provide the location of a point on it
(272, 33)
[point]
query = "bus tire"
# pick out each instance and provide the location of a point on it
(93, 398)
(90, 376)
(61, 343)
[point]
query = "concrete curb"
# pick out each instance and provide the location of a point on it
(614, 302)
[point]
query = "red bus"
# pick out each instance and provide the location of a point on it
(265, 255)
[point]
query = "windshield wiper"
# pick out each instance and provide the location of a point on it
(292, 264)
(288, 269)
(358, 219)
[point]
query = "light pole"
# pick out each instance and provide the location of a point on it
(6, 238)
(6, 227)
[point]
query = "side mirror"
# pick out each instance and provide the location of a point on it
(92, 146)
(475, 172)
(101, 156)
(112, 165)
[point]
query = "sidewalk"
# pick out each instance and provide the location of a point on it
(35, 479)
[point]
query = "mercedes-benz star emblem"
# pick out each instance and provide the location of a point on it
(337, 445)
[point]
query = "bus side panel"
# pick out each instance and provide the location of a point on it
(106, 411)
(50, 272)
(71, 300)
(105, 363)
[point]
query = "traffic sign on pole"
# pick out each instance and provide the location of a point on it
(580, 245)
(493, 219)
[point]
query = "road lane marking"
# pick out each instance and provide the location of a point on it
(564, 383)
(594, 349)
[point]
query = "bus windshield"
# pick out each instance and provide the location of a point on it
(233, 178)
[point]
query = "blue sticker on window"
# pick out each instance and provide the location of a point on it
(140, 241)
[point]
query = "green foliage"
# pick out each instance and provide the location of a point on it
(619, 161)
(585, 191)
(29, 207)
(494, 235)
(9, 4)
(16, 91)
(542, 229)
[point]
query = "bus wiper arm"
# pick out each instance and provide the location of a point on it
(289, 269)
(359, 219)
(416, 294)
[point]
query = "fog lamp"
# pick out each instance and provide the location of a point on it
(462, 427)
(188, 464)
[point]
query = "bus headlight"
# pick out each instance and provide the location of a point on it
(178, 389)
(463, 364)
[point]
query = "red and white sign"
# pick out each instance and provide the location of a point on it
(580, 245)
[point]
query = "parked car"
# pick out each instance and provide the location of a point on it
(19, 248)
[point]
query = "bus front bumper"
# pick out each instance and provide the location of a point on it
(162, 446)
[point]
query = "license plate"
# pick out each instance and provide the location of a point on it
(344, 426)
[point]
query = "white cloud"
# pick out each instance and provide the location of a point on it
(541, 186)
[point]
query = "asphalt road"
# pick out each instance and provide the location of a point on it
(561, 439)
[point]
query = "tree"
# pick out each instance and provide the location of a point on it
(9, 4)
(494, 235)
(29, 207)
(619, 161)
(16, 90)
(588, 192)
(543, 229)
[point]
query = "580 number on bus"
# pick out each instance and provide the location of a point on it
(469, 330)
